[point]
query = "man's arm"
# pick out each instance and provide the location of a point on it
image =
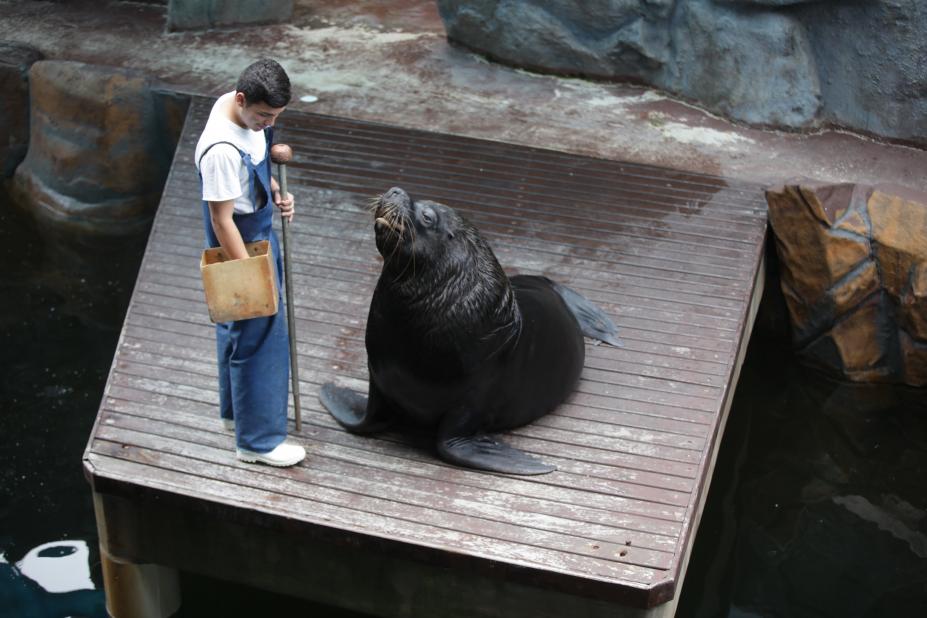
(220, 215)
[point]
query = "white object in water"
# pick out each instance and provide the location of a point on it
(308, 98)
(59, 566)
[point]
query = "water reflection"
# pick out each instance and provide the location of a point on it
(61, 309)
(818, 507)
(50, 581)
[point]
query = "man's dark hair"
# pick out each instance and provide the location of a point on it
(265, 81)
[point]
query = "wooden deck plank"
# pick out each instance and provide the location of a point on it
(323, 321)
(346, 227)
(671, 255)
(171, 268)
(341, 304)
(704, 353)
(465, 149)
(670, 392)
(649, 282)
(618, 424)
(669, 419)
(396, 455)
(346, 223)
(640, 455)
(572, 218)
(392, 503)
(497, 513)
(678, 446)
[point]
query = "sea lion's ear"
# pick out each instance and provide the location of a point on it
(450, 235)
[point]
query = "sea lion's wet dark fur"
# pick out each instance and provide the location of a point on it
(454, 344)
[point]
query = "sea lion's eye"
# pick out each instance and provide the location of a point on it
(428, 217)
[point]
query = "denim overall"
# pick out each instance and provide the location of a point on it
(253, 355)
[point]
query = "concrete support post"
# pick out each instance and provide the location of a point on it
(139, 590)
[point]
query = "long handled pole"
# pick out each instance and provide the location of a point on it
(281, 154)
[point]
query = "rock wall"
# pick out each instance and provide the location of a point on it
(788, 63)
(15, 61)
(202, 14)
(854, 275)
(100, 146)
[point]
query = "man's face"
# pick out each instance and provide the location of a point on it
(256, 116)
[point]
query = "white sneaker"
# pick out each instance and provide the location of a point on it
(284, 455)
(229, 423)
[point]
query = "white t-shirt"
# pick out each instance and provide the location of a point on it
(225, 176)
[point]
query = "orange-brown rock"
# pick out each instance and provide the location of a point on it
(100, 146)
(858, 341)
(899, 232)
(809, 213)
(854, 290)
(854, 276)
(914, 359)
(914, 304)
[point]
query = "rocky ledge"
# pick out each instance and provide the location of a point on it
(854, 275)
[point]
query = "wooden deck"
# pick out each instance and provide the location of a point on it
(377, 524)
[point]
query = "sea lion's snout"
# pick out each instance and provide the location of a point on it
(391, 210)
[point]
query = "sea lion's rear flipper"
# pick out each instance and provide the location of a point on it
(356, 413)
(594, 323)
(484, 453)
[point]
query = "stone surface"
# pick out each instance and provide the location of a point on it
(853, 290)
(15, 61)
(756, 67)
(202, 14)
(853, 264)
(859, 340)
(790, 63)
(898, 231)
(914, 304)
(101, 143)
(808, 212)
(389, 61)
(914, 359)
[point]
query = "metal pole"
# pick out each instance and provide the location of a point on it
(281, 155)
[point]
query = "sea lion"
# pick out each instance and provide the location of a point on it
(454, 344)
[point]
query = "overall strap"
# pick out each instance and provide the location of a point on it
(208, 148)
(246, 159)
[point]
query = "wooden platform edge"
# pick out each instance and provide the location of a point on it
(146, 525)
(753, 306)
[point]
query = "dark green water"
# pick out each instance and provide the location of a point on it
(61, 307)
(818, 507)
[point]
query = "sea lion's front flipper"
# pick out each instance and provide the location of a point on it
(356, 413)
(484, 453)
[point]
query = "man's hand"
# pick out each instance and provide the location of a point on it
(287, 206)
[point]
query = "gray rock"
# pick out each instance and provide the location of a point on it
(202, 14)
(787, 63)
(754, 67)
(873, 65)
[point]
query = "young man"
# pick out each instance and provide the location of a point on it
(233, 160)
